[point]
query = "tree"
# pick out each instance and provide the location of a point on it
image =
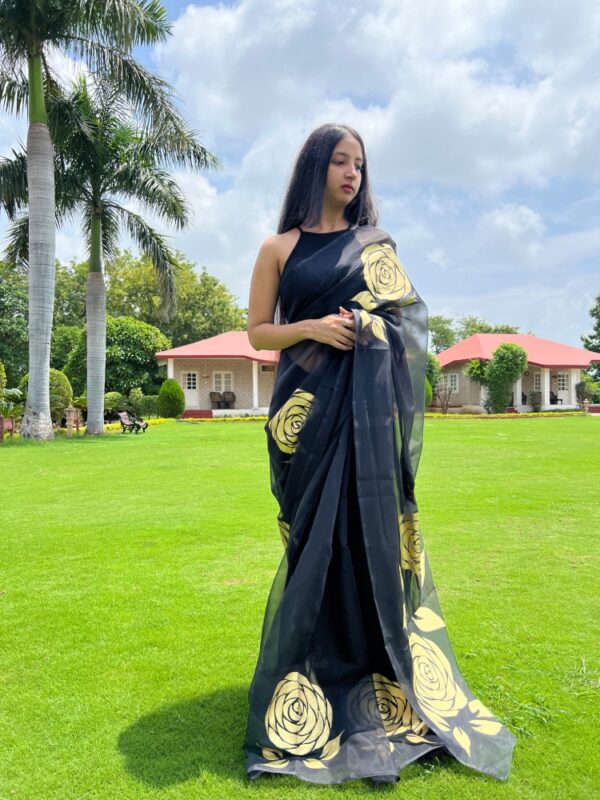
(65, 339)
(102, 160)
(131, 346)
(441, 334)
(470, 324)
(69, 294)
(507, 364)
(13, 326)
(102, 34)
(205, 306)
(444, 331)
(592, 342)
(433, 371)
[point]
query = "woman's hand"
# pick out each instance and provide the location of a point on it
(337, 330)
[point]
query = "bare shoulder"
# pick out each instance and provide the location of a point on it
(277, 248)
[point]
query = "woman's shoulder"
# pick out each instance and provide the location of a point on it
(376, 233)
(275, 240)
(280, 245)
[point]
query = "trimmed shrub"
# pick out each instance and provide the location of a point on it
(149, 406)
(171, 399)
(115, 401)
(433, 371)
(428, 393)
(135, 401)
(535, 400)
(61, 393)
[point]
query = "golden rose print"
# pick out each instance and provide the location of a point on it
(284, 530)
(273, 757)
(378, 700)
(385, 276)
(411, 545)
(427, 620)
(463, 739)
(374, 324)
(433, 682)
(298, 719)
(485, 721)
(286, 424)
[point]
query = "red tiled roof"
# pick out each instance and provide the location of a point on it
(541, 352)
(232, 344)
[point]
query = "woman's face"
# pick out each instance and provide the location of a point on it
(345, 170)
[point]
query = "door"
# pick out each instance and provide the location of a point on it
(562, 387)
(190, 389)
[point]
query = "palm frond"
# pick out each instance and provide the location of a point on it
(110, 231)
(173, 144)
(154, 188)
(70, 189)
(14, 91)
(149, 95)
(66, 116)
(16, 252)
(13, 184)
(121, 22)
(155, 246)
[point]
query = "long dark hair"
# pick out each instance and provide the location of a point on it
(303, 203)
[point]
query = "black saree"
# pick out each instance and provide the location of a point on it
(356, 676)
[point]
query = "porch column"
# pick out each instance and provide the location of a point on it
(517, 389)
(170, 368)
(255, 384)
(574, 378)
(483, 395)
(545, 387)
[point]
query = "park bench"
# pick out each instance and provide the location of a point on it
(130, 423)
(7, 425)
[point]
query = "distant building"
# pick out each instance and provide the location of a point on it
(207, 369)
(553, 369)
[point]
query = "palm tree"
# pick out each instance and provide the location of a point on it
(104, 161)
(102, 33)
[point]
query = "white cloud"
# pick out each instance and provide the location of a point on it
(482, 138)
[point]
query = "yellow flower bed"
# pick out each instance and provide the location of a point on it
(522, 414)
(194, 420)
(116, 426)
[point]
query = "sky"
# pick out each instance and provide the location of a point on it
(481, 124)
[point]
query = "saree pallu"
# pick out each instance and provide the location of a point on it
(356, 676)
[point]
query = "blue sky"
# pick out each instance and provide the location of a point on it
(481, 123)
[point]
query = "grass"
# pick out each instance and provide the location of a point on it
(134, 573)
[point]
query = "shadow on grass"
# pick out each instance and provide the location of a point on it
(182, 741)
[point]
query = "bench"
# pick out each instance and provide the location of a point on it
(7, 425)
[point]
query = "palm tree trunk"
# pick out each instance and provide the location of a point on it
(37, 423)
(95, 304)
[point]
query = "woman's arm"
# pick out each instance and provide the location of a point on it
(264, 290)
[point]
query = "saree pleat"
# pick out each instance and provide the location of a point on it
(355, 675)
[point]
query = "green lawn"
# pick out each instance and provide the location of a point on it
(134, 572)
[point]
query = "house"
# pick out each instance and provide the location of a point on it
(553, 369)
(223, 363)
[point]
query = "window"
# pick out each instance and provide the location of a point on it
(562, 381)
(450, 378)
(223, 381)
(267, 368)
(190, 380)
(537, 381)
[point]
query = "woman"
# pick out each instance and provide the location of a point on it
(356, 676)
